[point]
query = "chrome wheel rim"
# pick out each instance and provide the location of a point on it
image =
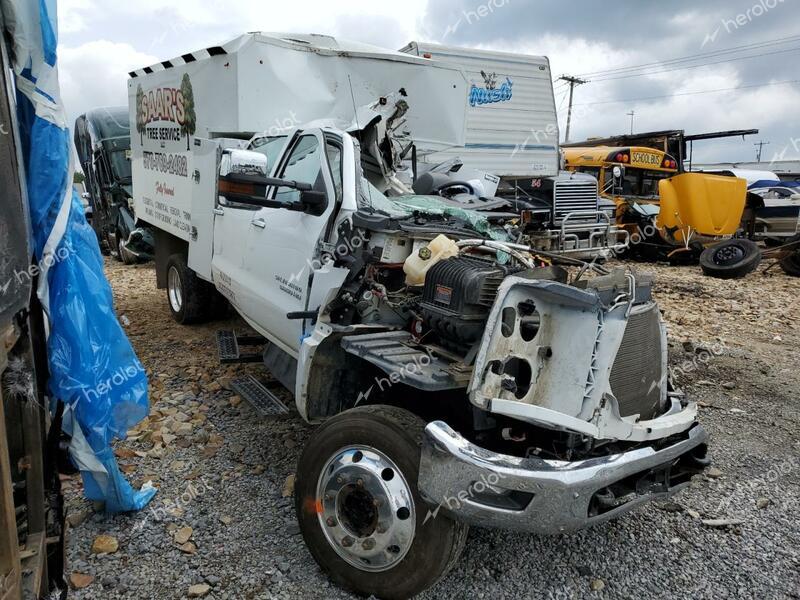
(174, 289)
(366, 508)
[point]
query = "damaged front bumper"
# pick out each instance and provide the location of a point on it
(487, 489)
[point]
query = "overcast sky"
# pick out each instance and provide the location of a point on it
(101, 41)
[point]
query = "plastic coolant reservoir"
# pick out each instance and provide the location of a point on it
(417, 265)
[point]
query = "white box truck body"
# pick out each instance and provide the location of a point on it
(270, 83)
(511, 122)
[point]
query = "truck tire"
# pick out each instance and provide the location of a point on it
(354, 481)
(731, 259)
(188, 296)
(791, 262)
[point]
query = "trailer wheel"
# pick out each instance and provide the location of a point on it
(791, 262)
(731, 259)
(188, 295)
(359, 509)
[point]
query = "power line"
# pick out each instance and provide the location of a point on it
(563, 97)
(789, 50)
(693, 57)
(741, 87)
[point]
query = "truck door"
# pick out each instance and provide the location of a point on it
(282, 245)
(232, 224)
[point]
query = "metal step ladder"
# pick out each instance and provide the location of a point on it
(229, 347)
(264, 401)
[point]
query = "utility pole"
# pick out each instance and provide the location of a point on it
(630, 114)
(760, 146)
(573, 81)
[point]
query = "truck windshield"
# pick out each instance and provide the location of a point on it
(641, 183)
(121, 165)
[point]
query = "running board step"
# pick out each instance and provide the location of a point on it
(265, 402)
(229, 347)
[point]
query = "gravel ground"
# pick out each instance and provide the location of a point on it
(223, 518)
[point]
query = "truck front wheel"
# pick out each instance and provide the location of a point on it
(188, 295)
(359, 509)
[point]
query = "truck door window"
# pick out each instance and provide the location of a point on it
(304, 165)
(270, 147)
(334, 153)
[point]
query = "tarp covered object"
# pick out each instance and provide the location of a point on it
(762, 183)
(93, 368)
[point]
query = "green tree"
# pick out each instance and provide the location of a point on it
(189, 117)
(78, 177)
(140, 117)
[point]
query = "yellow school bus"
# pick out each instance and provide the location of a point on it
(640, 170)
(647, 185)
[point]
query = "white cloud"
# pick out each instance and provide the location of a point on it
(96, 74)
(73, 15)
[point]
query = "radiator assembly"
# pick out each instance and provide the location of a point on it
(591, 361)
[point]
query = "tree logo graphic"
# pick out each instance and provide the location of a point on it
(189, 124)
(141, 113)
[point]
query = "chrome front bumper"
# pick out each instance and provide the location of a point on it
(487, 489)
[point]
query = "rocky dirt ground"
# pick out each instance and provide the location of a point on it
(222, 524)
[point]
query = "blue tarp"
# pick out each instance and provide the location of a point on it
(762, 183)
(93, 368)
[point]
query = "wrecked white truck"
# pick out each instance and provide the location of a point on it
(459, 376)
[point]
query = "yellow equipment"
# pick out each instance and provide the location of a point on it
(699, 204)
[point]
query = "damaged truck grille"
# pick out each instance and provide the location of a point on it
(637, 371)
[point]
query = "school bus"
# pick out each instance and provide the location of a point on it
(640, 170)
(647, 187)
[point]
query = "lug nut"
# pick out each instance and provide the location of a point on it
(339, 479)
(360, 482)
(347, 541)
(331, 522)
(368, 544)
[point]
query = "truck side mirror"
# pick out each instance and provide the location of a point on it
(314, 202)
(243, 162)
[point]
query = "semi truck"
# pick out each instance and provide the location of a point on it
(103, 143)
(458, 377)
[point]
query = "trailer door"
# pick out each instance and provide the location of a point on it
(204, 198)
